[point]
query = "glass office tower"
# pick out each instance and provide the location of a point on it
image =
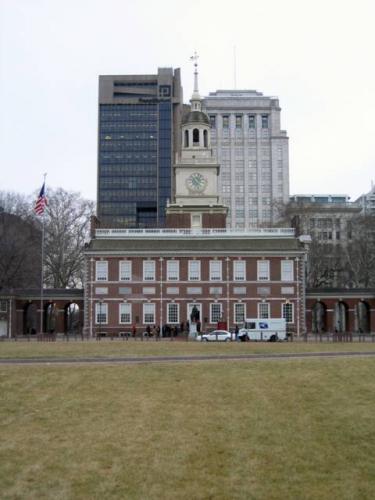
(139, 120)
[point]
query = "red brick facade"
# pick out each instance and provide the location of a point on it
(106, 295)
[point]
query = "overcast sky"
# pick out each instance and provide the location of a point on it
(316, 56)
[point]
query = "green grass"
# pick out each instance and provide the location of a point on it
(107, 348)
(219, 430)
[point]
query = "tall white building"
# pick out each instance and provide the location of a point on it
(253, 153)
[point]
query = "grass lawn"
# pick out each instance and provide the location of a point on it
(301, 429)
(107, 348)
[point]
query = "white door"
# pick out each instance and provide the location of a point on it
(3, 328)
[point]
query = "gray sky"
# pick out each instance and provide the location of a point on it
(316, 56)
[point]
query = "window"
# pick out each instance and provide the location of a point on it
(239, 313)
(215, 312)
(101, 270)
(101, 313)
(287, 312)
(205, 138)
(148, 313)
(215, 270)
(125, 313)
(263, 310)
(238, 121)
(263, 270)
(173, 270)
(287, 270)
(173, 313)
(213, 121)
(239, 270)
(186, 138)
(194, 270)
(251, 121)
(3, 306)
(125, 270)
(195, 137)
(148, 270)
(225, 121)
(264, 121)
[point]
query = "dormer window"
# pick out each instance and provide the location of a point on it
(196, 137)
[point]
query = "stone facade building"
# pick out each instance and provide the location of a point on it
(253, 152)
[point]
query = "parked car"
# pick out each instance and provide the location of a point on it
(217, 335)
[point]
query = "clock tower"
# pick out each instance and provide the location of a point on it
(196, 173)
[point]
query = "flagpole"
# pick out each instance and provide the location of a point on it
(42, 268)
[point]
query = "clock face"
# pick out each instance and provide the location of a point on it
(196, 182)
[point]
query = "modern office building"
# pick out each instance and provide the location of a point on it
(139, 123)
(253, 153)
(328, 218)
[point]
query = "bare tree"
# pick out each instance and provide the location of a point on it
(16, 204)
(360, 253)
(67, 220)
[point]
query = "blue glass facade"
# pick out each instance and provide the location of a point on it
(135, 149)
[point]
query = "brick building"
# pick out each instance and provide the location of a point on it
(156, 277)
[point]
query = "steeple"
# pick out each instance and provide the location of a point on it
(196, 101)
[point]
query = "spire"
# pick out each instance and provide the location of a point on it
(195, 98)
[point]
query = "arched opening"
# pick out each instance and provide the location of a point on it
(186, 141)
(363, 317)
(205, 138)
(50, 321)
(29, 318)
(319, 318)
(340, 317)
(195, 137)
(72, 323)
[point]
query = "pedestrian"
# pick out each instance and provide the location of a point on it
(134, 330)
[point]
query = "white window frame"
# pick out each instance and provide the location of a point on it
(238, 274)
(152, 308)
(265, 305)
(101, 308)
(287, 270)
(191, 264)
(169, 307)
(125, 270)
(216, 274)
(101, 270)
(173, 274)
(263, 270)
(283, 311)
(235, 316)
(3, 305)
(212, 305)
(125, 305)
(149, 274)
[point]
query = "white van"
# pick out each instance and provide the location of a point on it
(263, 329)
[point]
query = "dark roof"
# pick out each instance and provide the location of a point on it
(48, 293)
(195, 245)
(196, 116)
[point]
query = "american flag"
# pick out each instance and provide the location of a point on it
(41, 202)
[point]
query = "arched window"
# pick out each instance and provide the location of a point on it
(196, 137)
(205, 138)
(30, 314)
(186, 138)
(50, 318)
(72, 318)
(319, 318)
